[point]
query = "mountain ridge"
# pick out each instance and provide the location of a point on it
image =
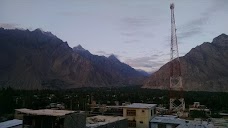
(204, 68)
(40, 60)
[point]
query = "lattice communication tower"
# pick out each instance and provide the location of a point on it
(176, 100)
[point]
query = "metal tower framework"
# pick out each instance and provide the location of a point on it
(176, 100)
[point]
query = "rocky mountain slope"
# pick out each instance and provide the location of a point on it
(204, 68)
(38, 60)
(109, 64)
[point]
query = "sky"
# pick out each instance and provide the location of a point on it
(136, 31)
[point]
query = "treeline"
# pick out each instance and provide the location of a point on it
(78, 99)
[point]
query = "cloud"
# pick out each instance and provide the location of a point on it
(135, 27)
(8, 25)
(103, 53)
(148, 63)
(131, 41)
(135, 22)
(195, 26)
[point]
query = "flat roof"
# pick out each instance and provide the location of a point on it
(95, 121)
(45, 112)
(167, 119)
(220, 122)
(10, 123)
(140, 105)
(195, 124)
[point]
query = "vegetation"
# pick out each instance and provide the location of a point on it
(78, 99)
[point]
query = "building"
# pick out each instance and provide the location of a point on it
(169, 121)
(106, 122)
(166, 121)
(220, 122)
(201, 109)
(224, 115)
(59, 106)
(49, 118)
(196, 124)
(139, 114)
(15, 123)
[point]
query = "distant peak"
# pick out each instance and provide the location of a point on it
(39, 30)
(223, 35)
(220, 38)
(79, 47)
(113, 57)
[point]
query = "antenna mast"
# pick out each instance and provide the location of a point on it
(176, 100)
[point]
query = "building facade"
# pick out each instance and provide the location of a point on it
(139, 114)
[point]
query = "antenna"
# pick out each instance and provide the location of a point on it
(176, 99)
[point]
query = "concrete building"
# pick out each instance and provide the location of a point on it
(15, 123)
(48, 118)
(106, 122)
(200, 108)
(139, 114)
(166, 121)
(224, 115)
(220, 122)
(169, 121)
(57, 106)
(196, 124)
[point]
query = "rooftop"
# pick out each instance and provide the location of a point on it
(193, 124)
(95, 121)
(220, 122)
(140, 105)
(45, 112)
(10, 123)
(182, 123)
(167, 119)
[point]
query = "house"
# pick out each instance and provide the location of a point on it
(139, 114)
(200, 109)
(49, 118)
(166, 121)
(169, 121)
(196, 124)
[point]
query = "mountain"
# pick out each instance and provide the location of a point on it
(39, 60)
(112, 65)
(204, 68)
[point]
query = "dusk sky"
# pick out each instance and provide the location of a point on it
(136, 31)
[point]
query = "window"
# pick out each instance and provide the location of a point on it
(141, 122)
(153, 112)
(131, 112)
(131, 123)
(142, 110)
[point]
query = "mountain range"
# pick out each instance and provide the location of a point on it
(40, 60)
(204, 68)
